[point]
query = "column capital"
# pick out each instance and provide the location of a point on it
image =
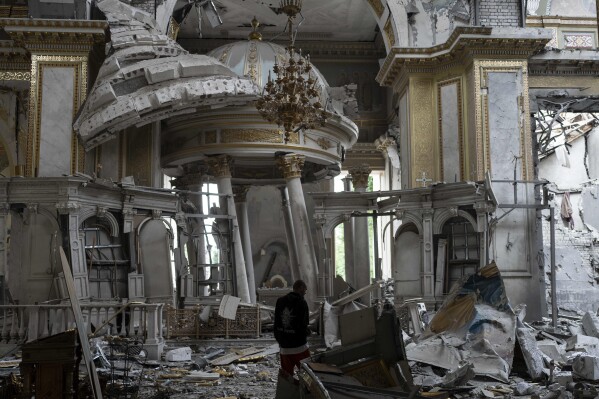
(67, 207)
(220, 165)
(240, 192)
(359, 176)
(291, 165)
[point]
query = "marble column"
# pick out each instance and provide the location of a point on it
(361, 244)
(290, 234)
(242, 212)
(221, 170)
(76, 247)
(348, 238)
(291, 166)
(192, 182)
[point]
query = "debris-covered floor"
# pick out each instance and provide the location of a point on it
(476, 345)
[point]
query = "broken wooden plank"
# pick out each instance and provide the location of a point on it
(81, 330)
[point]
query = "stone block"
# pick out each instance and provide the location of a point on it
(179, 355)
(581, 342)
(563, 377)
(590, 324)
(586, 367)
(552, 350)
(532, 355)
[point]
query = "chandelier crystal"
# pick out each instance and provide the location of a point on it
(291, 99)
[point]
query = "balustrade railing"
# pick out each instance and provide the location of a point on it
(22, 323)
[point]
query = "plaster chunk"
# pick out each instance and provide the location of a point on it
(117, 111)
(160, 73)
(103, 95)
(586, 367)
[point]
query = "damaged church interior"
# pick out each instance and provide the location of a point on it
(169, 169)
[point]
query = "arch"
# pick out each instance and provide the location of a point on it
(408, 219)
(392, 20)
(106, 216)
(329, 227)
(445, 214)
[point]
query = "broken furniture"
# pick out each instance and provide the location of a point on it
(50, 366)
(370, 362)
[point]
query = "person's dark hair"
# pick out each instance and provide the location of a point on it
(299, 284)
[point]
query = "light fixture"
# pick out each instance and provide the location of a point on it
(291, 99)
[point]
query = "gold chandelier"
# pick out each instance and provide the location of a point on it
(291, 99)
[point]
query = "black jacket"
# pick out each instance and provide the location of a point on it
(291, 321)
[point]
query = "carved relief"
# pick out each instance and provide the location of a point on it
(254, 135)
(15, 75)
(359, 176)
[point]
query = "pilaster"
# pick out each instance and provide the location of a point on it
(59, 51)
(428, 266)
(76, 250)
(361, 243)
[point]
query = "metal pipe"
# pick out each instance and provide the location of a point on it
(553, 271)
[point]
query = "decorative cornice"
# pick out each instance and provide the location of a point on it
(291, 165)
(317, 49)
(40, 35)
(359, 176)
(463, 43)
(220, 166)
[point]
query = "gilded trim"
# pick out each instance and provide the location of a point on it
(38, 62)
(482, 69)
(377, 6)
(15, 75)
(458, 82)
(389, 33)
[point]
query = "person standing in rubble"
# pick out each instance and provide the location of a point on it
(291, 327)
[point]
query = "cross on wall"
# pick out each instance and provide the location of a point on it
(423, 179)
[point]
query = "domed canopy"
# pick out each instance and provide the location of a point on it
(241, 131)
(255, 59)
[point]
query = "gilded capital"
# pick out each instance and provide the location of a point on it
(359, 176)
(240, 192)
(220, 166)
(291, 165)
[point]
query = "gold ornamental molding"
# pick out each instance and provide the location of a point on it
(38, 63)
(255, 136)
(15, 75)
(464, 43)
(389, 33)
(481, 70)
(377, 6)
(458, 83)
(291, 165)
(55, 35)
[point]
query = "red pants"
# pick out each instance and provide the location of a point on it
(288, 362)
